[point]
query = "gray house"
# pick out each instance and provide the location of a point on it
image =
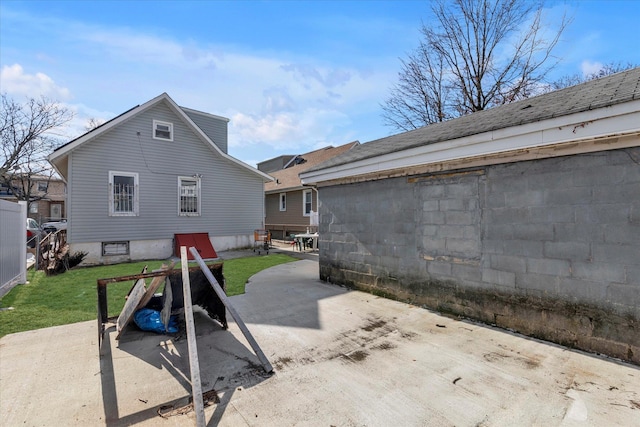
(526, 216)
(154, 172)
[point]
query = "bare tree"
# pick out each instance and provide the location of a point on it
(420, 96)
(93, 123)
(480, 54)
(26, 131)
(605, 70)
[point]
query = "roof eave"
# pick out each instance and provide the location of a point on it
(285, 190)
(617, 120)
(63, 152)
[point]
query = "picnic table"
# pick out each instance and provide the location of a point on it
(301, 240)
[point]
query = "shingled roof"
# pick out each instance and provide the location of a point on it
(604, 92)
(287, 179)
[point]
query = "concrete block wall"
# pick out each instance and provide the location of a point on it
(550, 247)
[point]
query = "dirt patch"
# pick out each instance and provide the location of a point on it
(282, 362)
(357, 356)
(408, 335)
(384, 346)
(528, 363)
(494, 357)
(374, 324)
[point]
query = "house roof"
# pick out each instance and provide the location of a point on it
(287, 179)
(558, 108)
(58, 158)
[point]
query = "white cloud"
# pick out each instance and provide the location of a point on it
(589, 68)
(286, 131)
(275, 100)
(278, 130)
(128, 46)
(16, 82)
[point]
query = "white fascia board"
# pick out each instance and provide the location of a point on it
(618, 120)
(107, 126)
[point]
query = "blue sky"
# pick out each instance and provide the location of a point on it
(291, 76)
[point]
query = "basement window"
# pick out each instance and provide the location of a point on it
(162, 130)
(115, 248)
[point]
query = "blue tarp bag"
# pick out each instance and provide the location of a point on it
(149, 320)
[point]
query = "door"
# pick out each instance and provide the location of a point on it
(56, 211)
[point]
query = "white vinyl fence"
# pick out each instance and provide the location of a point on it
(13, 245)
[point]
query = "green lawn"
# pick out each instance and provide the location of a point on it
(71, 297)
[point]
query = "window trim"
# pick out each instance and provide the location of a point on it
(198, 180)
(136, 194)
(304, 202)
(107, 248)
(160, 122)
(282, 202)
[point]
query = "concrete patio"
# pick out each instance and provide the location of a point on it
(341, 358)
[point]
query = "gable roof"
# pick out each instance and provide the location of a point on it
(287, 178)
(588, 102)
(58, 158)
(276, 163)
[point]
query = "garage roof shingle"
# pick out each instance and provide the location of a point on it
(599, 93)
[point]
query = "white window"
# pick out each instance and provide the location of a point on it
(43, 186)
(123, 193)
(189, 193)
(33, 207)
(162, 130)
(306, 202)
(283, 202)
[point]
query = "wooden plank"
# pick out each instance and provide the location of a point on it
(130, 306)
(225, 300)
(135, 280)
(165, 313)
(194, 365)
(154, 285)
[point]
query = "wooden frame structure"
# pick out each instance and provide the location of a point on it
(139, 297)
(102, 285)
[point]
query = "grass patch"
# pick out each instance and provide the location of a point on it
(71, 297)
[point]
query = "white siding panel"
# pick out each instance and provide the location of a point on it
(232, 197)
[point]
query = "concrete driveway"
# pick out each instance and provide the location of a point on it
(341, 358)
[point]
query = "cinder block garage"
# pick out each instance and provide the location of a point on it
(526, 216)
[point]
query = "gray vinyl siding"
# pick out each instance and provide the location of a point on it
(215, 129)
(232, 197)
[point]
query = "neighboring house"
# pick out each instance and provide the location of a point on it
(526, 216)
(289, 205)
(155, 171)
(47, 197)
